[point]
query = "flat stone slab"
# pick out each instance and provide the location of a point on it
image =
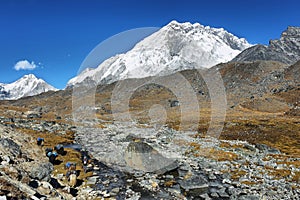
(142, 156)
(196, 185)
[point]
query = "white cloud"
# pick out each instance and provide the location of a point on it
(25, 65)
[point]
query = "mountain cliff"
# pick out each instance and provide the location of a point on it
(285, 50)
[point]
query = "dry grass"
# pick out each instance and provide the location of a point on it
(211, 153)
(280, 173)
(288, 163)
(296, 177)
(72, 155)
(251, 182)
(237, 174)
(170, 183)
(281, 133)
(228, 145)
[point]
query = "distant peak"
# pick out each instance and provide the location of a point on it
(28, 85)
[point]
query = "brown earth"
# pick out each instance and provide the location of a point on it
(254, 113)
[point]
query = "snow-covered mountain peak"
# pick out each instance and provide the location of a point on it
(175, 47)
(29, 76)
(28, 85)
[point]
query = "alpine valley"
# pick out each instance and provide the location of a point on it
(166, 149)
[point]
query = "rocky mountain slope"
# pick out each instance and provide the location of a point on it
(20, 163)
(175, 47)
(28, 85)
(285, 50)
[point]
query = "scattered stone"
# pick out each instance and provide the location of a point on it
(214, 195)
(212, 177)
(248, 197)
(42, 171)
(59, 176)
(92, 180)
(114, 191)
(197, 176)
(195, 185)
(223, 194)
(205, 197)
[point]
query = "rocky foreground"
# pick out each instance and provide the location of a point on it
(139, 162)
(168, 164)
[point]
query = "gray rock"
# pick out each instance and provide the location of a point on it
(196, 185)
(205, 197)
(106, 182)
(248, 197)
(92, 180)
(10, 146)
(169, 176)
(266, 149)
(6, 158)
(114, 191)
(42, 171)
(285, 50)
(212, 177)
(34, 115)
(223, 194)
(141, 156)
(214, 195)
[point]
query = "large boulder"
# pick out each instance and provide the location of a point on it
(141, 156)
(42, 171)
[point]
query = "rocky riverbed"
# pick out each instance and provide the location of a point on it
(169, 164)
(133, 161)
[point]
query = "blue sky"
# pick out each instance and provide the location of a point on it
(57, 35)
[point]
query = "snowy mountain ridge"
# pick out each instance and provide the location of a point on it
(28, 85)
(175, 47)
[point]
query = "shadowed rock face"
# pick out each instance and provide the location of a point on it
(10, 146)
(293, 72)
(285, 50)
(195, 185)
(42, 171)
(142, 156)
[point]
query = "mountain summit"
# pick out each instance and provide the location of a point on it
(28, 85)
(285, 50)
(175, 47)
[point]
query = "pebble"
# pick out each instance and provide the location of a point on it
(92, 180)
(205, 196)
(214, 195)
(212, 177)
(114, 191)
